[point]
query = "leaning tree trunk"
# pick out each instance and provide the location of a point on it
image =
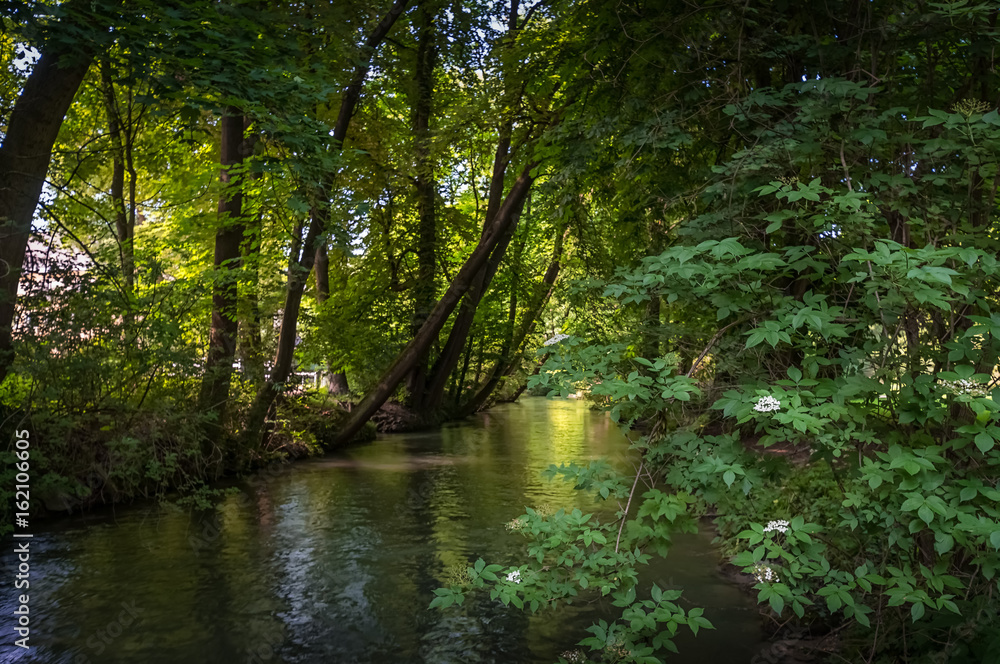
(457, 337)
(24, 161)
(505, 218)
(509, 361)
(430, 401)
(433, 395)
(302, 263)
(32, 128)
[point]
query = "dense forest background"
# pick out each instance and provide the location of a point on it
(763, 234)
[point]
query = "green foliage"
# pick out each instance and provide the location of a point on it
(573, 557)
(824, 374)
(783, 225)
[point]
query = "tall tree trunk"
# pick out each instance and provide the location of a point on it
(228, 242)
(424, 290)
(317, 228)
(251, 342)
(417, 348)
(123, 229)
(24, 161)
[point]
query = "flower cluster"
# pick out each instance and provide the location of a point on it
(457, 575)
(969, 107)
(617, 651)
(780, 525)
(574, 656)
(970, 387)
(765, 574)
(514, 576)
(516, 525)
(554, 340)
(767, 405)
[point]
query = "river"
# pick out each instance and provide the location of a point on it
(334, 560)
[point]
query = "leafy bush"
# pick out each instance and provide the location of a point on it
(841, 421)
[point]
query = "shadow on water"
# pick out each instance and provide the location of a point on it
(336, 560)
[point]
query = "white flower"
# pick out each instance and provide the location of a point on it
(515, 525)
(965, 386)
(780, 525)
(556, 339)
(767, 405)
(765, 574)
(514, 576)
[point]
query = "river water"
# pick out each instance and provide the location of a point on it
(335, 560)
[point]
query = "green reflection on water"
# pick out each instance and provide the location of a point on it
(335, 559)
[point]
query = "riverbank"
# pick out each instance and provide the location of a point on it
(159, 454)
(336, 558)
(303, 431)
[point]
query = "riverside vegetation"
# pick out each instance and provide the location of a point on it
(764, 233)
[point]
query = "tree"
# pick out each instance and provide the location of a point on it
(30, 133)
(303, 258)
(425, 184)
(503, 221)
(229, 241)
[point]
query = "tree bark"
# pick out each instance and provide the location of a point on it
(303, 263)
(505, 218)
(424, 289)
(123, 228)
(430, 401)
(24, 161)
(251, 342)
(228, 243)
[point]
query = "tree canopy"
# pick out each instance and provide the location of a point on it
(762, 235)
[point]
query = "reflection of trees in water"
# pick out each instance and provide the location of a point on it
(336, 560)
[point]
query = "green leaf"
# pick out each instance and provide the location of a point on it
(777, 603)
(925, 514)
(756, 338)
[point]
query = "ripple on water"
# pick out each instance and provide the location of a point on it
(336, 559)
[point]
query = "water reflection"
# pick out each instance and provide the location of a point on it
(335, 560)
